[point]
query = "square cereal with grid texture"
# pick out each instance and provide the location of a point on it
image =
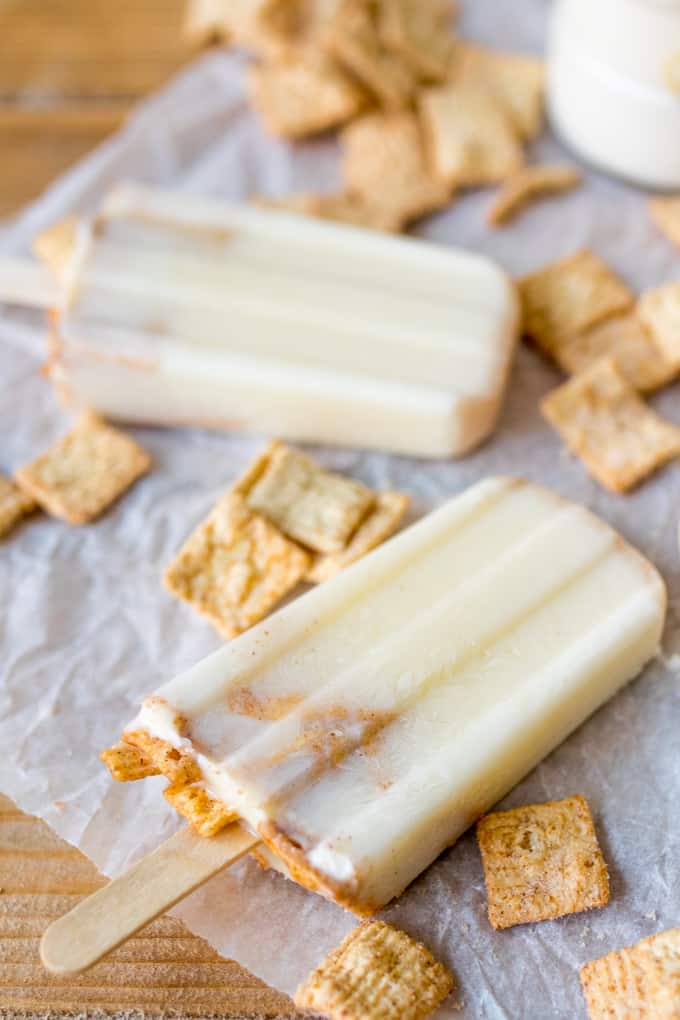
(84, 472)
(14, 504)
(624, 338)
(640, 982)
(541, 861)
(381, 522)
(235, 567)
(205, 813)
(469, 138)
(376, 973)
(384, 161)
(569, 296)
(305, 96)
(516, 80)
(659, 310)
(127, 764)
(419, 32)
(312, 506)
(603, 421)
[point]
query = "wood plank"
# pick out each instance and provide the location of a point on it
(164, 967)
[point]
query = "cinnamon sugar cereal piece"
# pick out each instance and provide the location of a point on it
(665, 212)
(313, 506)
(341, 207)
(304, 96)
(641, 982)
(14, 504)
(516, 80)
(624, 338)
(604, 422)
(418, 31)
(384, 162)
(205, 813)
(177, 765)
(659, 309)
(235, 567)
(84, 472)
(383, 521)
(541, 861)
(354, 40)
(127, 764)
(470, 139)
(528, 184)
(376, 973)
(569, 296)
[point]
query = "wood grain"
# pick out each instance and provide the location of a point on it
(70, 70)
(163, 967)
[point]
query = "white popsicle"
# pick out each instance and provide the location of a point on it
(360, 730)
(191, 310)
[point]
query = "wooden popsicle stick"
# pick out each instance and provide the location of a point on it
(117, 911)
(24, 282)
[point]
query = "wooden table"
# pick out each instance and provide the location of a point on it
(70, 70)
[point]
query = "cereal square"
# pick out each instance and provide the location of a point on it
(603, 421)
(417, 30)
(304, 96)
(376, 973)
(354, 40)
(569, 296)
(383, 520)
(529, 184)
(205, 813)
(541, 861)
(127, 763)
(14, 504)
(235, 567)
(516, 80)
(641, 982)
(312, 506)
(470, 139)
(384, 162)
(624, 338)
(659, 310)
(666, 215)
(84, 472)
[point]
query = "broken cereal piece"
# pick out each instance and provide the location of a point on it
(659, 310)
(417, 31)
(376, 973)
(305, 96)
(528, 184)
(342, 207)
(384, 162)
(235, 567)
(127, 764)
(383, 520)
(666, 215)
(569, 296)
(516, 80)
(641, 982)
(541, 861)
(470, 139)
(84, 472)
(354, 40)
(205, 813)
(625, 338)
(604, 422)
(14, 504)
(308, 504)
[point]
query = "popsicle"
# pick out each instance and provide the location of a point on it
(179, 309)
(361, 729)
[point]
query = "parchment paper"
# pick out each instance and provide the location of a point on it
(87, 629)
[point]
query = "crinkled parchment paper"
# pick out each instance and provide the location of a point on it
(87, 629)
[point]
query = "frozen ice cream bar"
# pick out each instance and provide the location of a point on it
(360, 730)
(187, 310)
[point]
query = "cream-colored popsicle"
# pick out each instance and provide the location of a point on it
(190, 310)
(364, 727)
